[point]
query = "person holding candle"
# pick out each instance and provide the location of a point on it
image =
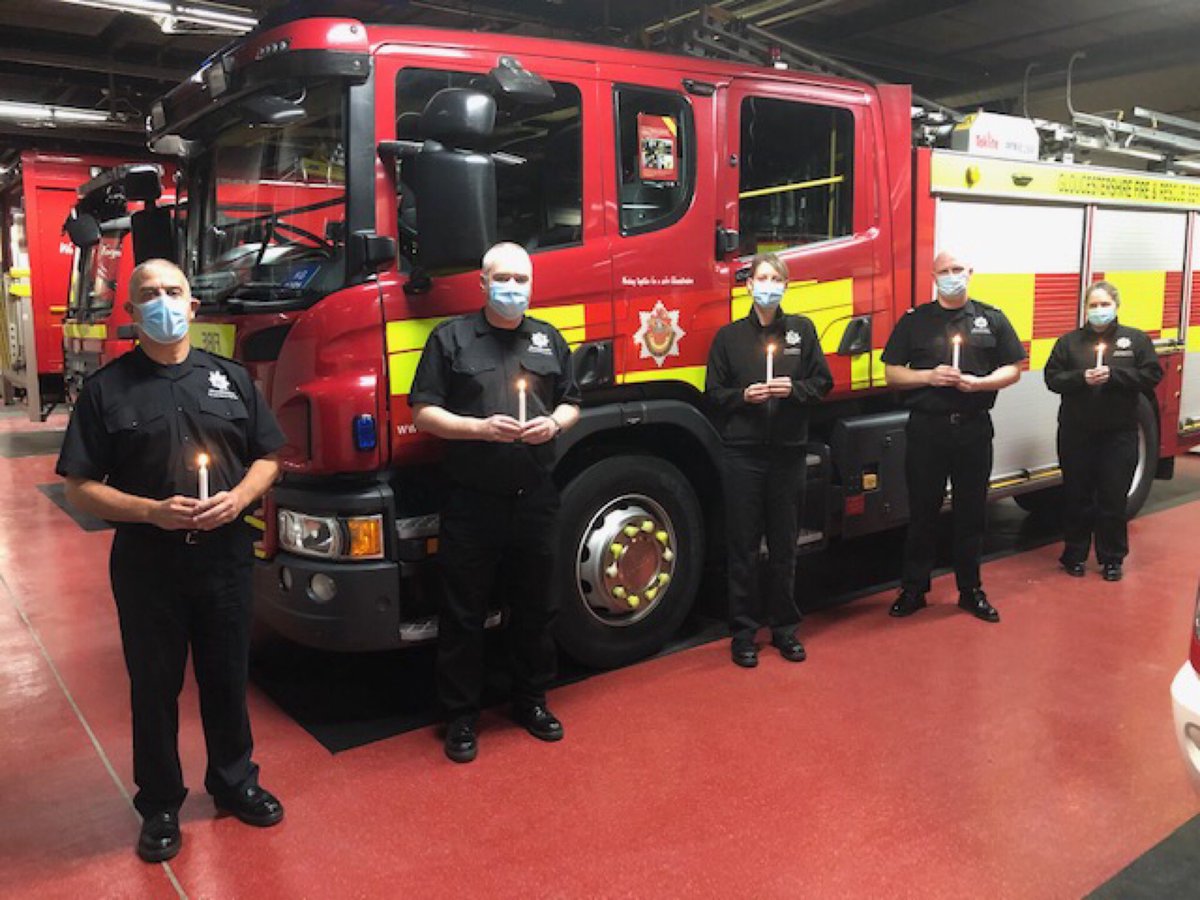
(764, 373)
(180, 564)
(1101, 370)
(951, 357)
(497, 385)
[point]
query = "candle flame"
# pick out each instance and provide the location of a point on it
(770, 348)
(1100, 347)
(202, 459)
(957, 339)
(521, 383)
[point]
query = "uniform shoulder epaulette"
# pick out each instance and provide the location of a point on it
(221, 360)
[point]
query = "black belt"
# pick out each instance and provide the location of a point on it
(954, 418)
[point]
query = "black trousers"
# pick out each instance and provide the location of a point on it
(764, 488)
(1097, 469)
(940, 448)
(488, 541)
(170, 596)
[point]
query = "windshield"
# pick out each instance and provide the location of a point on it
(273, 228)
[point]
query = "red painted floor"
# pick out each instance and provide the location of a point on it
(931, 757)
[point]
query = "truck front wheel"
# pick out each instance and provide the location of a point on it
(630, 555)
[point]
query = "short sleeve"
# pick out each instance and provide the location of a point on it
(1008, 346)
(566, 388)
(431, 381)
(266, 436)
(87, 448)
(898, 351)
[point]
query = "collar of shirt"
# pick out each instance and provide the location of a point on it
(173, 371)
(774, 325)
(483, 326)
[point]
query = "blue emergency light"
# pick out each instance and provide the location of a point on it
(365, 436)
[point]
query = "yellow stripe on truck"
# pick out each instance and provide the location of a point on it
(1010, 292)
(693, 375)
(85, 332)
(406, 339)
(1141, 298)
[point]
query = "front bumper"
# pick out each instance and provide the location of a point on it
(363, 615)
(1185, 702)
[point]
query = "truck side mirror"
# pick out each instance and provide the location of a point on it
(153, 235)
(143, 183)
(371, 251)
(83, 230)
(457, 222)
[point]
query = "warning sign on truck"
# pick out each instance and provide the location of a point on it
(657, 146)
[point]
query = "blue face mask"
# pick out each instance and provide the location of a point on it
(766, 294)
(952, 285)
(164, 319)
(508, 299)
(1100, 316)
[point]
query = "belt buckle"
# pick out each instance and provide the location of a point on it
(191, 537)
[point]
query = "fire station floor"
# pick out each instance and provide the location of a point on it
(936, 756)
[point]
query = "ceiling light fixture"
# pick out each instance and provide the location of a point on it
(44, 114)
(170, 15)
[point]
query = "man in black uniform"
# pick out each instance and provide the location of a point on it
(952, 355)
(180, 565)
(764, 426)
(1101, 370)
(499, 386)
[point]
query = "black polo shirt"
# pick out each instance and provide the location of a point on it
(471, 368)
(923, 339)
(1133, 370)
(738, 358)
(140, 426)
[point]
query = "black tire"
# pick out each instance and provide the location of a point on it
(633, 489)
(1050, 499)
(1143, 475)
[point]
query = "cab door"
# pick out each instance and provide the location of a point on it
(801, 182)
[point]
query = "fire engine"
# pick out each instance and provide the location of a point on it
(115, 225)
(344, 180)
(38, 261)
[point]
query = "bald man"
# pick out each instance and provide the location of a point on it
(497, 524)
(951, 357)
(180, 563)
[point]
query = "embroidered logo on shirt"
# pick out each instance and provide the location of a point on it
(659, 335)
(218, 386)
(792, 338)
(539, 342)
(980, 326)
(1124, 343)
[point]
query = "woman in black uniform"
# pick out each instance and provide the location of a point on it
(1101, 370)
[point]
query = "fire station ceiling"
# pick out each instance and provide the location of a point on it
(90, 55)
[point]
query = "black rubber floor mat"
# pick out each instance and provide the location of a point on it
(1168, 870)
(57, 492)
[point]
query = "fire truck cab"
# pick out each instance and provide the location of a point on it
(343, 182)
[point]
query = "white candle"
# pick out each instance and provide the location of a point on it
(1099, 355)
(521, 401)
(957, 352)
(770, 361)
(202, 464)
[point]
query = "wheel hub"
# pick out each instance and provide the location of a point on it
(626, 560)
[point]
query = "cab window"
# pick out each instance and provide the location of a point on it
(656, 154)
(796, 174)
(539, 160)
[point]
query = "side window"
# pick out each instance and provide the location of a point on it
(796, 178)
(539, 160)
(656, 155)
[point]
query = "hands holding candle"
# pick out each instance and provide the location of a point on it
(1099, 374)
(773, 386)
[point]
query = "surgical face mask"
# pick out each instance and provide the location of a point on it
(952, 285)
(508, 299)
(1100, 316)
(164, 319)
(766, 294)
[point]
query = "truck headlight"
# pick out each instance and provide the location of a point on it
(331, 537)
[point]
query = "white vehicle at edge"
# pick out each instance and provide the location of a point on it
(1185, 701)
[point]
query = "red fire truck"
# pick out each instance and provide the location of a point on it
(343, 181)
(116, 224)
(35, 199)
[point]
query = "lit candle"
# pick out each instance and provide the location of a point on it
(202, 465)
(770, 361)
(1099, 355)
(954, 359)
(521, 401)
